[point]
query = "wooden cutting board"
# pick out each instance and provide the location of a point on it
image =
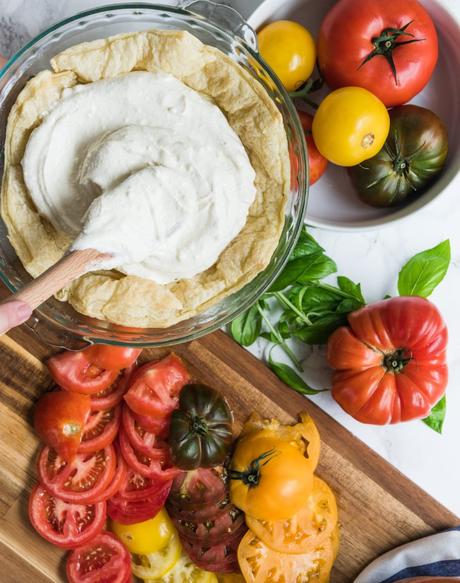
(379, 508)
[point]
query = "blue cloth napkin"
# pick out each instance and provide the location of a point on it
(437, 555)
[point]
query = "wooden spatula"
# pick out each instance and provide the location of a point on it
(58, 276)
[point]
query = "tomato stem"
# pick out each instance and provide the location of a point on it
(395, 361)
(251, 476)
(387, 42)
(199, 425)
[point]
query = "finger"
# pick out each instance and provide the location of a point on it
(13, 314)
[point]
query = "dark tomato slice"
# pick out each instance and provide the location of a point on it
(130, 511)
(64, 524)
(154, 387)
(103, 560)
(113, 395)
(137, 487)
(198, 488)
(112, 357)
(220, 527)
(100, 430)
(83, 480)
(157, 425)
(141, 439)
(156, 465)
(118, 480)
(59, 419)
(218, 558)
(74, 372)
(204, 513)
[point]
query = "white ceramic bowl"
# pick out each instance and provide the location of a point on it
(332, 203)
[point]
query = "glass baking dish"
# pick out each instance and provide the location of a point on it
(57, 323)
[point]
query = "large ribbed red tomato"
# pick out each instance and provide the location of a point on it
(389, 47)
(390, 363)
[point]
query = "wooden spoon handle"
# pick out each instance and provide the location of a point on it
(58, 276)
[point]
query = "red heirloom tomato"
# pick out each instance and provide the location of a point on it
(390, 362)
(154, 387)
(59, 419)
(387, 47)
(316, 162)
(103, 560)
(100, 429)
(64, 524)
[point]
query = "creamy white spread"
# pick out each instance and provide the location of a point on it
(144, 168)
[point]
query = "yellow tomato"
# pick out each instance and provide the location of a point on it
(350, 126)
(158, 564)
(290, 51)
(185, 571)
(146, 537)
(270, 478)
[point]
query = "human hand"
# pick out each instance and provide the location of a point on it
(13, 313)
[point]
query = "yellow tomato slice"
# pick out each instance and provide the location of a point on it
(230, 578)
(185, 571)
(303, 434)
(260, 564)
(307, 529)
(145, 537)
(157, 565)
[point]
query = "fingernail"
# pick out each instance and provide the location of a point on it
(24, 311)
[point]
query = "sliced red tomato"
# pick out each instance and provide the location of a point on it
(157, 425)
(100, 430)
(137, 487)
(128, 511)
(156, 465)
(317, 163)
(113, 395)
(154, 387)
(64, 524)
(112, 357)
(118, 480)
(83, 480)
(141, 439)
(59, 419)
(104, 560)
(73, 371)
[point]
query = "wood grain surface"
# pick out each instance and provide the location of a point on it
(379, 508)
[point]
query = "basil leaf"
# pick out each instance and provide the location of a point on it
(303, 269)
(246, 328)
(321, 329)
(306, 245)
(424, 271)
(437, 416)
(351, 288)
(291, 378)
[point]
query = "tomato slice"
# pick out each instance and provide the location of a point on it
(113, 395)
(141, 439)
(83, 480)
(198, 489)
(259, 563)
(118, 479)
(157, 425)
(74, 372)
(104, 560)
(156, 465)
(62, 523)
(133, 509)
(311, 526)
(137, 487)
(59, 419)
(100, 430)
(218, 557)
(112, 357)
(154, 387)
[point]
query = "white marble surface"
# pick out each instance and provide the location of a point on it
(373, 258)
